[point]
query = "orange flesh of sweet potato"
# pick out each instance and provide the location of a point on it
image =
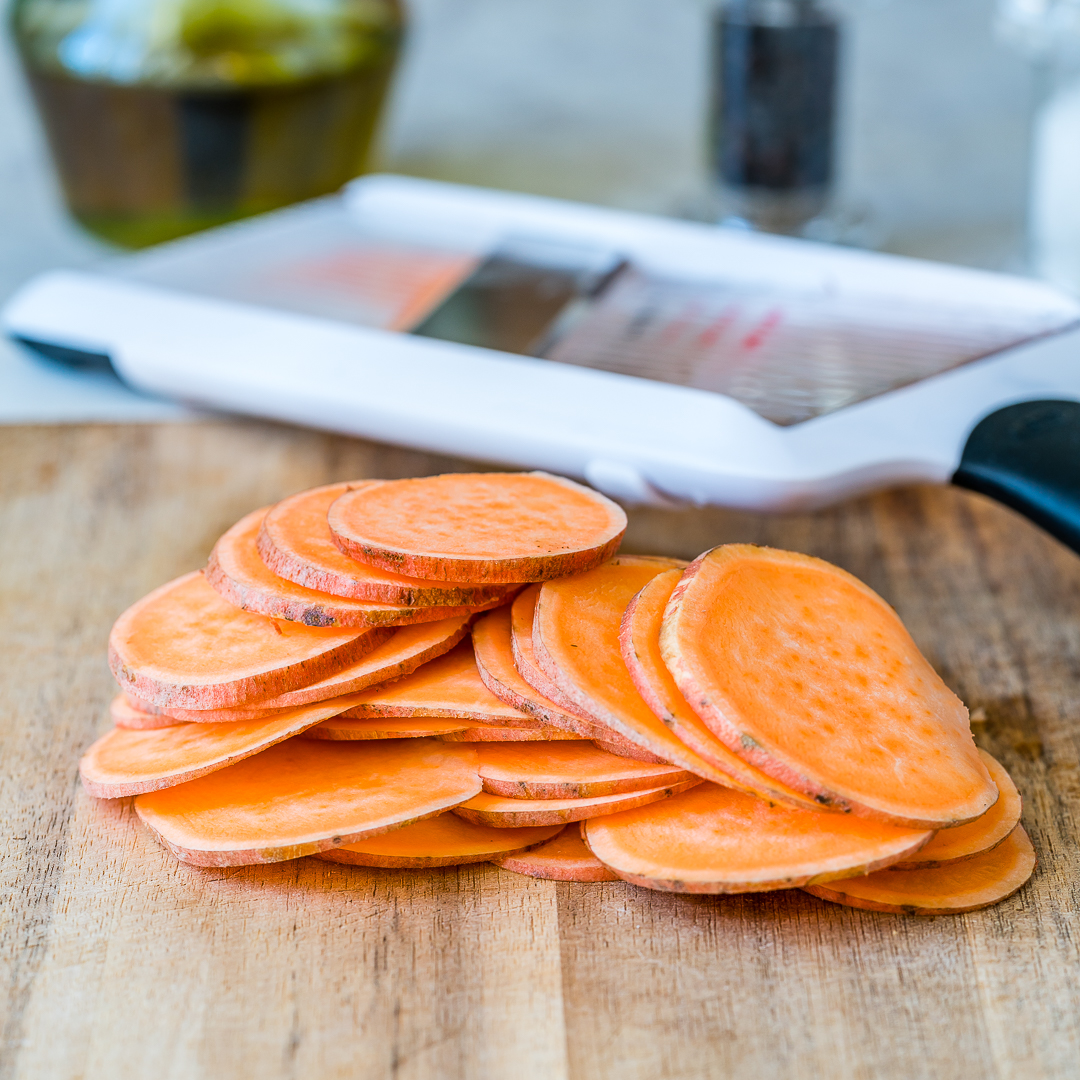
(496, 733)
(401, 654)
(639, 640)
(478, 527)
(564, 858)
(978, 836)
(446, 840)
(503, 813)
(717, 840)
(522, 613)
(493, 650)
(351, 728)
(126, 762)
(448, 686)
(304, 796)
(806, 673)
(986, 879)
(237, 571)
(576, 642)
(126, 715)
(521, 621)
(295, 543)
(184, 646)
(573, 770)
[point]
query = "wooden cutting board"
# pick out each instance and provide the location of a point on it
(118, 962)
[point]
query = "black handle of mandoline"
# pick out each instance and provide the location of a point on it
(1027, 456)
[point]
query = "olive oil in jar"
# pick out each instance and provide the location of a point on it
(169, 116)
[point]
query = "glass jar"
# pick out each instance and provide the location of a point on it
(169, 116)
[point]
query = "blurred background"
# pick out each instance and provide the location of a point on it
(940, 106)
(607, 101)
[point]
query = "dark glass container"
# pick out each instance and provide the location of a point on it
(169, 116)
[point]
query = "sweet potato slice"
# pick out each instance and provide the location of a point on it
(639, 640)
(521, 620)
(184, 646)
(237, 571)
(574, 770)
(401, 654)
(353, 729)
(968, 885)
(718, 840)
(126, 762)
(522, 614)
(222, 716)
(805, 672)
(563, 858)
(448, 686)
(478, 527)
(978, 836)
(295, 543)
(497, 733)
(446, 840)
(503, 813)
(348, 728)
(576, 643)
(304, 796)
(126, 715)
(493, 650)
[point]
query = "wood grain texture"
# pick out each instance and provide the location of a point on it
(117, 962)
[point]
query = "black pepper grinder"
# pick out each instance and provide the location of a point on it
(774, 111)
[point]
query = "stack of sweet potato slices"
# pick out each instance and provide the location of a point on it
(460, 669)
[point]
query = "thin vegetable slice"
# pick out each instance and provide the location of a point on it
(639, 640)
(239, 574)
(717, 840)
(478, 527)
(576, 642)
(448, 686)
(126, 715)
(493, 650)
(978, 836)
(968, 885)
(304, 796)
(564, 858)
(521, 623)
(222, 716)
(184, 646)
(522, 615)
(572, 770)
(446, 840)
(126, 762)
(805, 672)
(503, 813)
(416, 727)
(401, 654)
(295, 543)
(493, 733)
(353, 729)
